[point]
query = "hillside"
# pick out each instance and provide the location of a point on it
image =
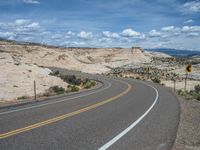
(92, 60)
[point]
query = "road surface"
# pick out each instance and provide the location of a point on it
(123, 114)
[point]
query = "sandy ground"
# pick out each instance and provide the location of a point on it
(181, 84)
(188, 136)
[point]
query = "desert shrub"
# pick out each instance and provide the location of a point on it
(75, 88)
(72, 88)
(156, 80)
(56, 89)
(138, 78)
(56, 73)
(71, 79)
(22, 97)
(88, 84)
(197, 88)
(198, 97)
(179, 92)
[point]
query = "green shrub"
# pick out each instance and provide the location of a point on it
(58, 90)
(138, 78)
(74, 88)
(156, 80)
(88, 84)
(22, 97)
(197, 88)
(179, 92)
(198, 97)
(71, 79)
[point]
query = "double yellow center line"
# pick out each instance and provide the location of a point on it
(58, 118)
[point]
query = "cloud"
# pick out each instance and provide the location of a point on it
(170, 29)
(191, 29)
(20, 22)
(109, 34)
(31, 1)
(85, 35)
(188, 21)
(21, 25)
(191, 7)
(77, 43)
(56, 36)
(70, 33)
(193, 34)
(154, 33)
(130, 33)
(8, 35)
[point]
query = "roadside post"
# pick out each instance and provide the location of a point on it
(188, 69)
(174, 79)
(34, 90)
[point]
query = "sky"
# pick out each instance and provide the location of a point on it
(103, 23)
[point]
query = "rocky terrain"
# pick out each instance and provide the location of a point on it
(20, 65)
(90, 60)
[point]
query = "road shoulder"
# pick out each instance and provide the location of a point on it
(188, 135)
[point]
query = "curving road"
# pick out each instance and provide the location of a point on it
(122, 114)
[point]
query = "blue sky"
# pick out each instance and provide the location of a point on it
(103, 23)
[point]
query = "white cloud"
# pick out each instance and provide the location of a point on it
(191, 29)
(85, 35)
(70, 33)
(20, 25)
(188, 21)
(170, 29)
(193, 34)
(20, 22)
(191, 7)
(57, 36)
(130, 33)
(8, 35)
(31, 1)
(109, 34)
(154, 33)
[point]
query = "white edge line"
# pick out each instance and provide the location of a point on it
(49, 103)
(115, 139)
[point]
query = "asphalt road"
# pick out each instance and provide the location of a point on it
(123, 114)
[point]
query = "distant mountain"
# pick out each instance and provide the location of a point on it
(176, 53)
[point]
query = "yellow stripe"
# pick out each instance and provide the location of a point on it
(58, 118)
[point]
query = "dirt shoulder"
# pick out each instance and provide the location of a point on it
(188, 135)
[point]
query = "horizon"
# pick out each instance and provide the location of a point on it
(172, 24)
(161, 49)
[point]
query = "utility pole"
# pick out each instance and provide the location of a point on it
(174, 84)
(174, 79)
(186, 76)
(34, 90)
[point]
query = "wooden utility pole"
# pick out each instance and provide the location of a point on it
(186, 76)
(174, 84)
(34, 90)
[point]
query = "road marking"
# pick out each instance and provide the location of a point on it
(50, 103)
(120, 135)
(58, 118)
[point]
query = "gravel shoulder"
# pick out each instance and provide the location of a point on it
(188, 135)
